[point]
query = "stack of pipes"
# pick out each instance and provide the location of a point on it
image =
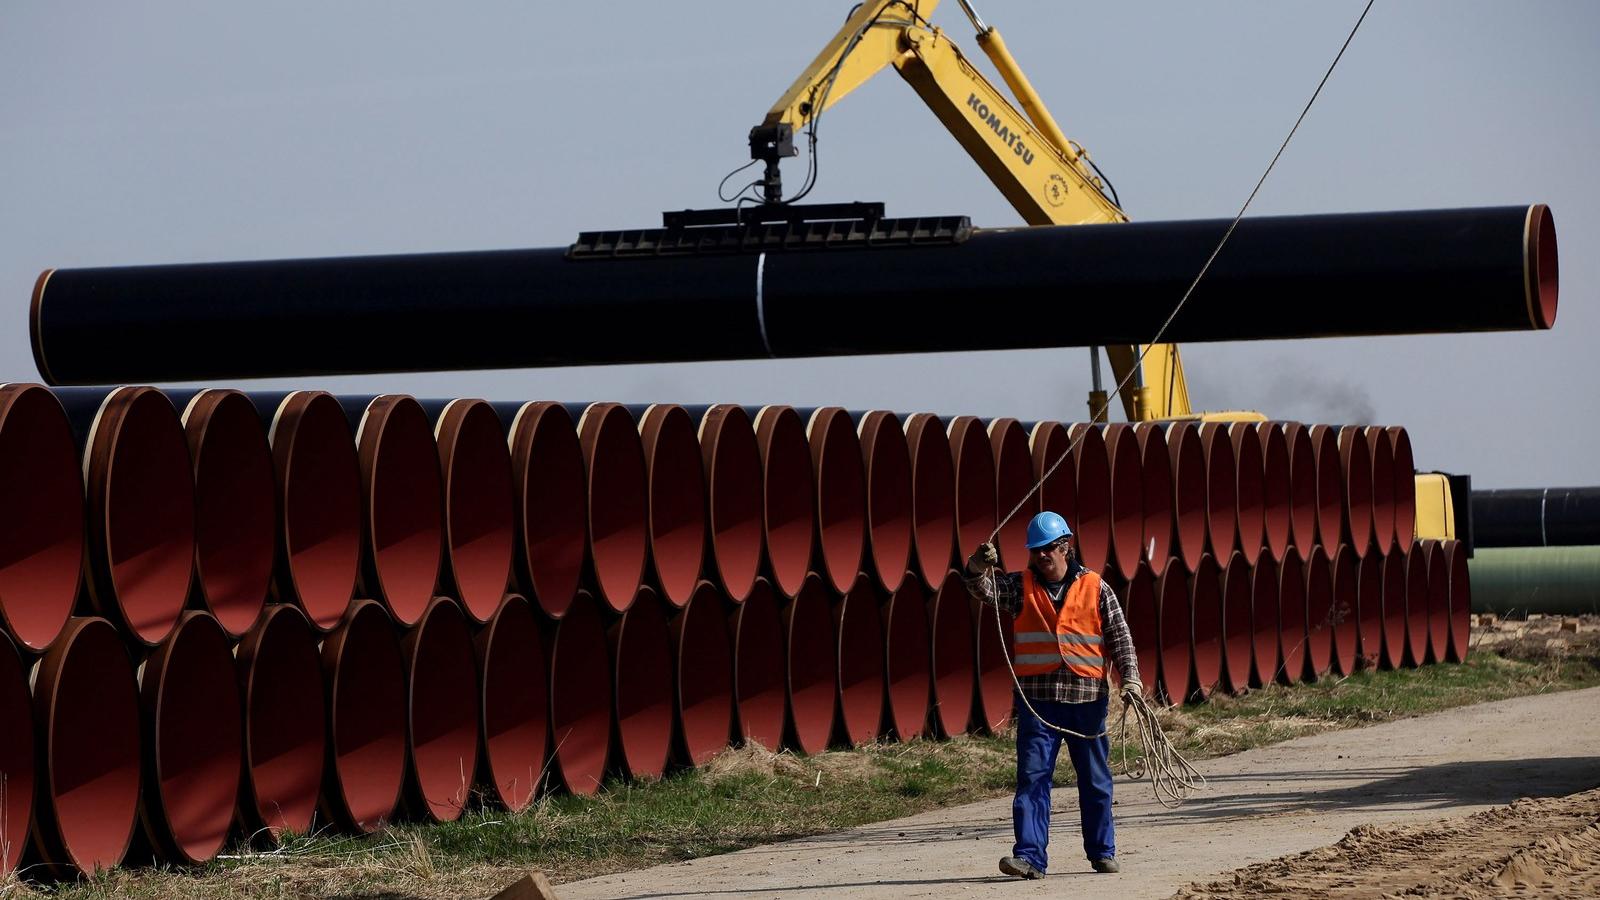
(1537, 550)
(230, 614)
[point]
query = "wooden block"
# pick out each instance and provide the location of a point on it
(533, 886)
(1569, 625)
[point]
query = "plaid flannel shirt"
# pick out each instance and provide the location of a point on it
(1063, 685)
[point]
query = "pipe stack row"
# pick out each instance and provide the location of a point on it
(232, 615)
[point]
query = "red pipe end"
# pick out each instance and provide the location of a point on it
(550, 501)
(933, 499)
(365, 681)
(1238, 626)
(841, 496)
(1405, 487)
(580, 697)
(191, 712)
(1417, 601)
(789, 488)
(86, 713)
(809, 657)
(617, 499)
(1206, 626)
(41, 533)
(702, 673)
(758, 669)
(235, 510)
(1539, 261)
(1189, 492)
(1369, 611)
(1294, 631)
(1393, 615)
(1277, 490)
(1344, 616)
(402, 507)
(1320, 616)
(1053, 469)
(677, 529)
(991, 706)
(1013, 472)
(907, 659)
(1304, 479)
(976, 515)
(953, 642)
(1355, 469)
(860, 644)
(1092, 492)
(641, 661)
(733, 479)
(1265, 624)
(1438, 649)
(141, 513)
(1384, 512)
(442, 711)
(1155, 467)
(285, 731)
(1331, 501)
(1250, 488)
(887, 458)
(479, 515)
(1139, 607)
(319, 484)
(1175, 631)
(16, 758)
(1222, 489)
(513, 702)
(1127, 498)
(1460, 610)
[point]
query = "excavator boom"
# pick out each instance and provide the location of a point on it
(1046, 177)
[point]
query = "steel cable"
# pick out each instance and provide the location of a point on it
(1171, 775)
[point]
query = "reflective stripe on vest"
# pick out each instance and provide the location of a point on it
(1045, 640)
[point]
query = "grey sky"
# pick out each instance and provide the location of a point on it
(168, 131)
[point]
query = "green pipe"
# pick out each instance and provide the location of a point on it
(1550, 580)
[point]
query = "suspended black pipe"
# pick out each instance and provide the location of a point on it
(1536, 517)
(1278, 277)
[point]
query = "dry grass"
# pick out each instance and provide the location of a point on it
(753, 759)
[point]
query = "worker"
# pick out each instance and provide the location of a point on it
(1068, 621)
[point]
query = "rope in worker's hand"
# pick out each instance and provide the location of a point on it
(1172, 776)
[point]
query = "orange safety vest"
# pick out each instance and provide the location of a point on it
(1047, 640)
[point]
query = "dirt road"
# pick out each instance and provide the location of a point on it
(1262, 804)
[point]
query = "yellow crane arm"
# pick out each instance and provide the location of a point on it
(868, 41)
(1046, 183)
(1045, 176)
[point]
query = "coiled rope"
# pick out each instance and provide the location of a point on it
(1172, 776)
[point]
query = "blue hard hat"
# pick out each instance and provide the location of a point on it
(1046, 528)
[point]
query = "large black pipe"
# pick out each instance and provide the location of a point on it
(1536, 517)
(1278, 277)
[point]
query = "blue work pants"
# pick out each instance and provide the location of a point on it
(1037, 748)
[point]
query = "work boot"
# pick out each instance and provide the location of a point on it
(1107, 866)
(1017, 867)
